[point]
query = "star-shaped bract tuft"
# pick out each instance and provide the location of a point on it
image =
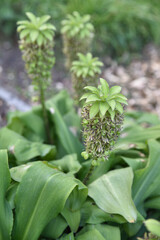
(86, 66)
(36, 30)
(104, 100)
(76, 25)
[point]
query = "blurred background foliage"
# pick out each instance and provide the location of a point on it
(120, 25)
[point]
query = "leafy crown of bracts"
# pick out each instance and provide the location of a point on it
(104, 100)
(36, 29)
(77, 25)
(86, 65)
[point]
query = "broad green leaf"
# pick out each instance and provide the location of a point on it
(72, 218)
(11, 192)
(132, 229)
(68, 163)
(146, 180)
(21, 148)
(142, 135)
(93, 234)
(109, 232)
(30, 122)
(153, 203)
(41, 196)
(91, 214)
(94, 110)
(55, 228)
(115, 90)
(6, 218)
(70, 236)
(18, 171)
(70, 143)
(153, 226)
(105, 87)
(112, 193)
(135, 163)
(103, 107)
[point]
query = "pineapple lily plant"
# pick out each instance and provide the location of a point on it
(85, 71)
(36, 44)
(77, 34)
(51, 191)
(102, 119)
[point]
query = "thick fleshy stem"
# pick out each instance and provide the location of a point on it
(89, 174)
(44, 112)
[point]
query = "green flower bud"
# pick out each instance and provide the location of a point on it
(85, 155)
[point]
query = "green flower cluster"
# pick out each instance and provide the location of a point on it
(102, 119)
(85, 71)
(36, 44)
(77, 36)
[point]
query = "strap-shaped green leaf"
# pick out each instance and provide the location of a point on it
(146, 180)
(112, 193)
(41, 196)
(6, 218)
(55, 227)
(93, 234)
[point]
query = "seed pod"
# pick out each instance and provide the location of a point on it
(102, 119)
